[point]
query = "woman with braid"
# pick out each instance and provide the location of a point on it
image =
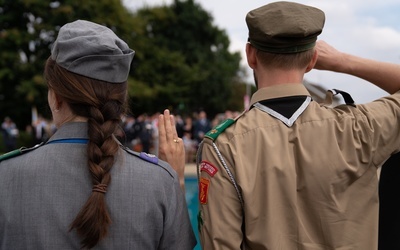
(82, 189)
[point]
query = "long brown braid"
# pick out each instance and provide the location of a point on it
(103, 104)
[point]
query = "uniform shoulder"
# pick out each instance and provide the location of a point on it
(220, 128)
(151, 159)
(142, 155)
(18, 152)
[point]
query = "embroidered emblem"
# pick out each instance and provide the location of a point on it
(204, 184)
(208, 168)
(215, 132)
(149, 157)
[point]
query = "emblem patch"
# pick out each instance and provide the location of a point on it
(208, 168)
(204, 185)
(149, 157)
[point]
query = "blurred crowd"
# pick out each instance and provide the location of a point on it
(10, 133)
(39, 131)
(139, 133)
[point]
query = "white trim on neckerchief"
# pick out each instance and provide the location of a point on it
(288, 122)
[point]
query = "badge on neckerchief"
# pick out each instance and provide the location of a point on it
(203, 188)
(208, 168)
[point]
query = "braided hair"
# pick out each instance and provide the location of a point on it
(102, 103)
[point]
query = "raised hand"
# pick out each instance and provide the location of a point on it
(171, 148)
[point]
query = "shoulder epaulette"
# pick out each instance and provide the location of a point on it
(145, 156)
(18, 152)
(217, 130)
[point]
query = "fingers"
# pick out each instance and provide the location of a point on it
(171, 147)
(173, 127)
(161, 129)
(167, 129)
(170, 136)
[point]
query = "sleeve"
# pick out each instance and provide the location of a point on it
(220, 217)
(382, 117)
(178, 232)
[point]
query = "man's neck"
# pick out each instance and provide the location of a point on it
(268, 78)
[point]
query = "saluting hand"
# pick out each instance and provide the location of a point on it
(329, 58)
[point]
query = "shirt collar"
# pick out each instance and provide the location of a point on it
(71, 130)
(278, 91)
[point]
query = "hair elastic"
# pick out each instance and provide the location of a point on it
(101, 188)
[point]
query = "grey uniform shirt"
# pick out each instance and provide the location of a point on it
(42, 191)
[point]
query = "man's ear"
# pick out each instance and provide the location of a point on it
(313, 61)
(251, 56)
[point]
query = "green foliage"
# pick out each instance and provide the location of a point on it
(27, 30)
(182, 60)
(20, 43)
(25, 139)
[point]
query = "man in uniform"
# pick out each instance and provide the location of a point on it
(290, 173)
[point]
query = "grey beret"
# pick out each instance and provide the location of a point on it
(92, 50)
(284, 27)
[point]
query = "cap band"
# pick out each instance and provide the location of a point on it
(285, 50)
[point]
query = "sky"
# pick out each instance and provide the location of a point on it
(366, 28)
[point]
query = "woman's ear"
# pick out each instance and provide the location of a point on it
(54, 100)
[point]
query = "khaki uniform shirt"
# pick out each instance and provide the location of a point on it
(311, 185)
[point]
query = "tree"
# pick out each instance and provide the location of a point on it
(182, 60)
(20, 67)
(27, 30)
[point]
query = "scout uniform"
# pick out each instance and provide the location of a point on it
(290, 173)
(42, 190)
